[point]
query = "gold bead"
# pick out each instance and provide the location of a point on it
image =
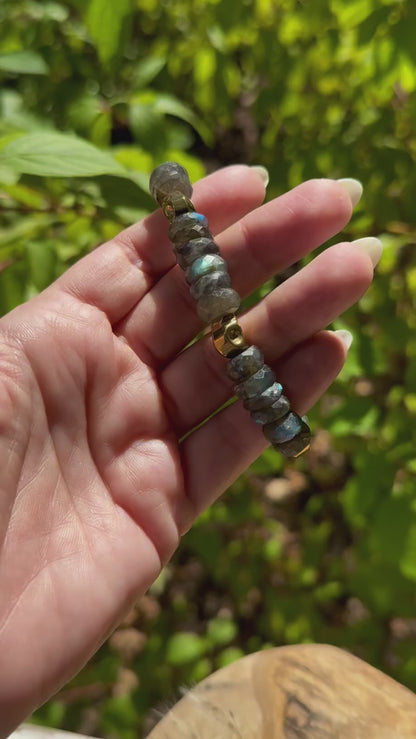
(176, 204)
(227, 336)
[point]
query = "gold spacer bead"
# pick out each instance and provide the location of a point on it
(227, 336)
(176, 204)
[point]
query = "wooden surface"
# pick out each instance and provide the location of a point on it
(301, 692)
(308, 691)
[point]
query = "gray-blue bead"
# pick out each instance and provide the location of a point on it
(191, 250)
(204, 265)
(167, 178)
(265, 399)
(300, 443)
(209, 283)
(268, 415)
(213, 306)
(188, 226)
(246, 363)
(285, 430)
(255, 384)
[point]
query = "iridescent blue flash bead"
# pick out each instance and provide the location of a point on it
(204, 265)
(191, 250)
(296, 446)
(284, 430)
(188, 226)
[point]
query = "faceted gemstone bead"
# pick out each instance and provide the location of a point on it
(217, 304)
(204, 265)
(297, 445)
(264, 399)
(167, 178)
(244, 364)
(209, 283)
(267, 415)
(285, 430)
(191, 250)
(188, 226)
(255, 384)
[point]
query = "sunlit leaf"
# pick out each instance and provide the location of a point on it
(23, 62)
(185, 647)
(104, 22)
(57, 155)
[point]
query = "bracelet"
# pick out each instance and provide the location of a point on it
(216, 304)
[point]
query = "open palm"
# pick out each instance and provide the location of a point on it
(96, 393)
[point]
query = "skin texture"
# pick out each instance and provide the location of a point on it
(96, 392)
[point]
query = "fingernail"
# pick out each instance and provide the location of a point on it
(353, 188)
(345, 336)
(372, 246)
(262, 173)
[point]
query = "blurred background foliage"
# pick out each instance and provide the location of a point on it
(93, 95)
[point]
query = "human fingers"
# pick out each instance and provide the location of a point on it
(262, 243)
(116, 275)
(194, 383)
(215, 454)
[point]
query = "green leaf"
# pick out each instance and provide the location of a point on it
(23, 62)
(229, 655)
(147, 70)
(408, 559)
(104, 21)
(221, 631)
(185, 647)
(57, 155)
(41, 259)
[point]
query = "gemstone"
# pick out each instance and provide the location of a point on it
(167, 178)
(300, 443)
(217, 304)
(267, 415)
(265, 399)
(191, 250)
(255, 384)
(285, 430)
(209, 283)
(204, 265)
(244, 364)
(188, 226)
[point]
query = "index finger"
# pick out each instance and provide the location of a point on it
(116, 275)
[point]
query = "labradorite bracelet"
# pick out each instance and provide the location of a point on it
(217, 303)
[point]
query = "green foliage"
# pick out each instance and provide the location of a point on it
(56, 155)
(92, 96)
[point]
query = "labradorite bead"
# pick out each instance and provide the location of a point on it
(204, 265)
(213, 306)
(167, 178)
(264, 399)
(187, 253)
(209, 283)
(298, 444)
(285, 430)
(255, 384)
(244, 364)
(267, 415)
(188, 226)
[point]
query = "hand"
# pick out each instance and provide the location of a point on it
(95, 396)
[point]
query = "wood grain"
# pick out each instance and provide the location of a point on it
(299, 692)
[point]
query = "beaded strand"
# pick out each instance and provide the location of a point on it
(217, 303)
